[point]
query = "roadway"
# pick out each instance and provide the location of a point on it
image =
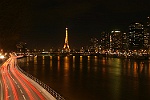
(14, 85)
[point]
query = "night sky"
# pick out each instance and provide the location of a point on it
(41, 23)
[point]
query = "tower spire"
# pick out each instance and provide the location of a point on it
(66, 38)
(66, 45)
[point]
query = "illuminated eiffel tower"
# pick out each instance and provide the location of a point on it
(66, 48)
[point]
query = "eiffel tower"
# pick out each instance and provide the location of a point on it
(66, 48)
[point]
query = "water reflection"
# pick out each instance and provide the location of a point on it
(58, 64)
(35, 60)
(92, 77)
(43, 64)
(28, 59)
(95, 63)
(66, 65)
(81, 63)
(35, 65)
(66, 72)
(74, 63)
(88, 66)
(135, 68)
(51, 63)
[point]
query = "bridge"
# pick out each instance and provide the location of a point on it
(16, 84)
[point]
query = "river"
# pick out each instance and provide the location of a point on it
(92, 77)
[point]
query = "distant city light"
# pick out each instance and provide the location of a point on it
(114, 31)
(2, 57)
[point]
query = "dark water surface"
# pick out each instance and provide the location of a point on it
(92, 77)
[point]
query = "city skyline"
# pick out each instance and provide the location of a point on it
(41, 24)
(116, 39)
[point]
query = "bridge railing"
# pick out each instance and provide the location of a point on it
(46, 87)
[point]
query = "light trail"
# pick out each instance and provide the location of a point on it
(11, 83)
(5, 87)
(23, 81)
(14, 85)
(31, 86)
(1, 90)
(23, 85)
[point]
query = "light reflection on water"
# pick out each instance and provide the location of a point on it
(92, 77)
(51, 63)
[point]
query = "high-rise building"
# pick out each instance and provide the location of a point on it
(136, 36)
(148, 22)
(115, 40)
(148, 34)
(94, 45)
(104, 41)
(124, 44)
